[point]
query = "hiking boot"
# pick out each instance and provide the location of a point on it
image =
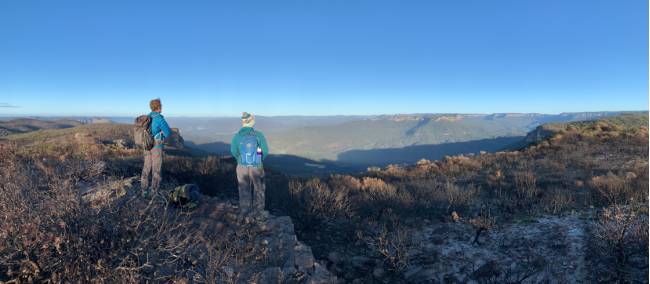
(262, 215)
(242, 217)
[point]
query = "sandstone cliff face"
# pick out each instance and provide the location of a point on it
(540, 133)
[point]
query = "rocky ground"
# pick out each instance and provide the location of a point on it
(541, 250)
(258, 251)
(546, 249)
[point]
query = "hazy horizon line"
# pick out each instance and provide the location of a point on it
(318, 115)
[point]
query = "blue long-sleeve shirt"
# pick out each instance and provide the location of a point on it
(159, 128)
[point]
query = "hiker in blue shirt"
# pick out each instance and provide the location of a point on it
(249, 148)
(153, 158)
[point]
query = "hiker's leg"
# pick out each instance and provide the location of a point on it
(243, 181)
(156, 168)
(257, 174)
(146, 169)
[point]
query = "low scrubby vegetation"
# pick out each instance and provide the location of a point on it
(361, 225)
(620, 242)
(50, 233)
(77, 219)
(113, 146)
(61, 220)
(584, 166)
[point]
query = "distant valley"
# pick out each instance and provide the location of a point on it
(313, 145)
(23, 125)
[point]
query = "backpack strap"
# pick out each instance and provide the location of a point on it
(254, 133)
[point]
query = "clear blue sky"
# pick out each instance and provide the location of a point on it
(211, 58)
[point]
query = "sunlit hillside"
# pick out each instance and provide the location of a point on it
(570, 206)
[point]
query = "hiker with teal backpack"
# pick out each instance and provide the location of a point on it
(150, 134)
(249, 148)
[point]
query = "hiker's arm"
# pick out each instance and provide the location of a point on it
(234, 149)
(167, 132)
(263, 145)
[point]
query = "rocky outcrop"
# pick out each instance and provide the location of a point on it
(262, 250)
(176, 140)
(286, 260)
(540, 133)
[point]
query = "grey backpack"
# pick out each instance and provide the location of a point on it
(187, 196)
(142, 132)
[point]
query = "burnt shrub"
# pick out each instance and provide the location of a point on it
(610, 189)
(53, 232)
(620, 242)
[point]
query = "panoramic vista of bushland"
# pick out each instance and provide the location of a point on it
(568, 204)
(338, 141)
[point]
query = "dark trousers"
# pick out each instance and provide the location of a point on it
(152, 165)
(251, 189)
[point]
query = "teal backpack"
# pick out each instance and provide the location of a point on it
(248, 145)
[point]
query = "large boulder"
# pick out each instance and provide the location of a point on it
(176, 140)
